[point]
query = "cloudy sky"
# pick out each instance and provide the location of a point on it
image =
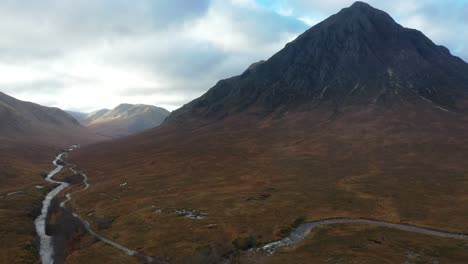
(85, 55)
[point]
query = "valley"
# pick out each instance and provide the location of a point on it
(30, 137)
(346, 146)
(285, 178)
(48, 242)
(265, 252)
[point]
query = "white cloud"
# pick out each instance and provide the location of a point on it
(84, 55)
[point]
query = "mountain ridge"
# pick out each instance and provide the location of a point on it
(358, 56)
(125, 119)
(27, 121)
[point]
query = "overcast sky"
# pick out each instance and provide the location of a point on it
(85, 55)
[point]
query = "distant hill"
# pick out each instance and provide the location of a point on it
(125, 119)
(79, 116)
(30, 122)
(89, 118)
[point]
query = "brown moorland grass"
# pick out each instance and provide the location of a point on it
(365, 244)
(23, 165)
(30, 136)
(256, 176)
(22, 168)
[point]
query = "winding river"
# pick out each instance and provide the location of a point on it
(296, 236)
(46, 249)
(301, 232)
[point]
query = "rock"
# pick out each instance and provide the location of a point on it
(244, 243)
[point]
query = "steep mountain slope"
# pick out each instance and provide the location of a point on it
(89, 118)
(25, 121)
(125, 119)
(358, 117)
(358, 56)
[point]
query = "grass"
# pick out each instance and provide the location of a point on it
(366, 244)
(379, 164)
(285, 231)
(21, 169)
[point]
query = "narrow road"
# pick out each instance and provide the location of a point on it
(86, 224)
(46, 250)
(296, 236)
(301, 232)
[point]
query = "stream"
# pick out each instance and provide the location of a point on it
(301, 232)
(46, 249)
(296, 236)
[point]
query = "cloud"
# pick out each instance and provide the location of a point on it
(50, 28)
(85, 55)
(42, 86)
(159, 52)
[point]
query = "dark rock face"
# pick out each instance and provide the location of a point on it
(357, 56)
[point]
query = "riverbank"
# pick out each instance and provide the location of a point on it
(68, 226)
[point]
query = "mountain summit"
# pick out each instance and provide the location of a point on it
(357, 56)
(125, 119)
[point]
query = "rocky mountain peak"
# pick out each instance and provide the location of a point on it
(358, 56)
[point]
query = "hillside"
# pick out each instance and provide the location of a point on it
(89, 118)
(358, 117)
(30, 136)
(79, 116)
(29, 122)
(125, 119)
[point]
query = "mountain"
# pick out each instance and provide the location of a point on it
(30, 137)
(25, 121)
(79, 116)
(89, 118)
(125, 119)
(358, 117)
(358, 56)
